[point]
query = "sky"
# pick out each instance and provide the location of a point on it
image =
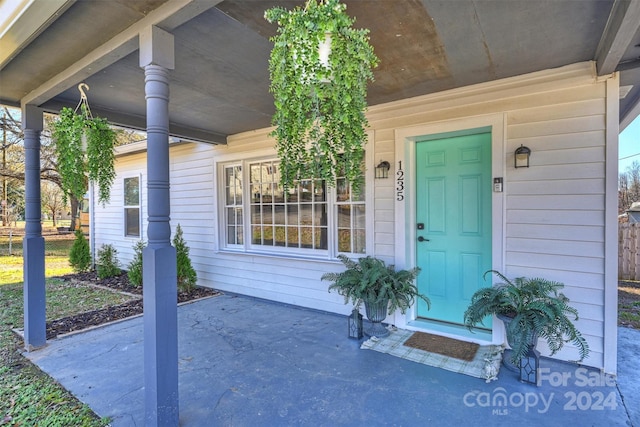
(629, 145)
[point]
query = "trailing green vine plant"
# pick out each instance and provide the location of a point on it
(72, 132)
(320, 101)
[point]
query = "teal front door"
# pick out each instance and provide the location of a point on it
(453, 222)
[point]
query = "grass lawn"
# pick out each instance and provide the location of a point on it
(629, 304)
(28, 397)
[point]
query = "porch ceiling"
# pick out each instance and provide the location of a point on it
(220, 84)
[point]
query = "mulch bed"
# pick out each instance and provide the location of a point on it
(119, 283)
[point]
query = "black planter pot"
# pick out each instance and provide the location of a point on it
(376, 313)
(508, 353)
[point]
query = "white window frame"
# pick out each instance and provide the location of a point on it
(125, 207)
(332, 209)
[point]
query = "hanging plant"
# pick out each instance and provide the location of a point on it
(85, 150)
(320, 66)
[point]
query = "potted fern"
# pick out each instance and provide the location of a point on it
(381, 287)
(530, 308)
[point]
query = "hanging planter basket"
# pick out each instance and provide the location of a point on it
(84, 150)
(320, 66)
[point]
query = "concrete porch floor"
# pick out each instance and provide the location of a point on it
(250, 362)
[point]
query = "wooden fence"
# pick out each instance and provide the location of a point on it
(629, 251)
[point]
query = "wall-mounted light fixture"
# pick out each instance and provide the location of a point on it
(522, 155)
(382, 170)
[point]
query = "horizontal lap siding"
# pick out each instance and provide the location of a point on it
(555, 209)
(192, 203)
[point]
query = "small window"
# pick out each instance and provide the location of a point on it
(233, 205)
(132, 207)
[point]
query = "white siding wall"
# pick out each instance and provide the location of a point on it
(554, 211)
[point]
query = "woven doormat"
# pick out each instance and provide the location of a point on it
(485, 363)
(442, 345)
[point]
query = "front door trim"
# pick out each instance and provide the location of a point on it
(405, 202)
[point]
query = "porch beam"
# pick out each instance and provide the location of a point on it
(33, 242)
(159, 257)
(26, 24)
(168, 16)
(623, 24)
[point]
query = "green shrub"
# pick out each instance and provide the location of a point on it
(134, 271)
(187, 276)
(108, 264)
(80, 254)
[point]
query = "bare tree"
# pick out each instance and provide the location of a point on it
(629, 187)
(52, 200)
(12, 166)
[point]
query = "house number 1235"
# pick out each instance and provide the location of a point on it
(400, 182)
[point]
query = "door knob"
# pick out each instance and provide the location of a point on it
(422, 239)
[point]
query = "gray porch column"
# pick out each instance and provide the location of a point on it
(33, 243)
(159, 257)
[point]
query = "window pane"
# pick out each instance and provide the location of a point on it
(231, 235)
(360, 219)
(292, 195)
(344, 216)
(231, 216)
(132, 222)
(279, 215)
(239, 235)
(132, 191)
(320, 214)
(359, 197)
(306, 191)
(256, 214)
(292, 215)
(342, 190)
(254, 174)
(256, 235)
(359, 246)
(319, 191)
(267, 214)
(280, 236)
(292, 237)
(306, 234)
(267, 236)
(344, 240)
(233, 185)
(306, 214)
(321, 238)
(278, 193)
